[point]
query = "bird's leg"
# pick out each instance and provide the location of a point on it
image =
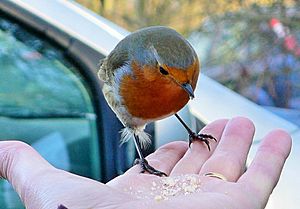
(193, 136)
(143, 162)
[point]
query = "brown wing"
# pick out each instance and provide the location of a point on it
(116, 59)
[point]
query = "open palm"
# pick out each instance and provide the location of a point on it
(41, 186)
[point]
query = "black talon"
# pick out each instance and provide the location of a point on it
(146, 167)
(208, 136)
(193, 136)
(143, 162)
(62, 207)
(202, 137)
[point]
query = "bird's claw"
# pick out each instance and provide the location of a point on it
(202, 137)
(148, 168)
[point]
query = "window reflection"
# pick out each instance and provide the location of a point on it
(36, 79)
(45, 102)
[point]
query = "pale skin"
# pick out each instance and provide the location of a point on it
(42, 186)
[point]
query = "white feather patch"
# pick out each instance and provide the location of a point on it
(128, 133)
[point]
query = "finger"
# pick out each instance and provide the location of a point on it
(230, 156)
(165, 158)
(20, 165)
(264, 171)
(194, 158)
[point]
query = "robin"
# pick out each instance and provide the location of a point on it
(151, 74)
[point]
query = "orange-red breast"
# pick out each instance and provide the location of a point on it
(151, 74)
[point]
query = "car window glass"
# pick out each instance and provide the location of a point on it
(35, 78)
(45, 102)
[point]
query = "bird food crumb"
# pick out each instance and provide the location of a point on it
(167, 187)
(158, 198)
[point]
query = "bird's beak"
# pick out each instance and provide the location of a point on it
(188, 88)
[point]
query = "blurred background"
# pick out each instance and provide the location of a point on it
(51, 97)
(251, 46)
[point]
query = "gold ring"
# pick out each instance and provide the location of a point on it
(216, 175)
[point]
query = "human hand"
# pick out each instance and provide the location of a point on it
(41, 186)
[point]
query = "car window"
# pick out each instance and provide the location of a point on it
(46, 102)
(36, 80)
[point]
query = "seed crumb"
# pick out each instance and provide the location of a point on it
(167, 187)
(158, 198)
(169, 181)
(189, 189)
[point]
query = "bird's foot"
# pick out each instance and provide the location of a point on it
(148, 168)
(202, 137)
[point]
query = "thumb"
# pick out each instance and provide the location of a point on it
(20, 164)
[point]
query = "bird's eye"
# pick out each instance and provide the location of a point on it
(163, 71)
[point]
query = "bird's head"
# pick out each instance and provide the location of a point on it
(161, 54)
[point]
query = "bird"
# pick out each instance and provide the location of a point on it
(150, 74)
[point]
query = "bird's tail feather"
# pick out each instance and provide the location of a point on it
(128, 133)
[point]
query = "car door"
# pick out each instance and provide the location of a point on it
(48, 101)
